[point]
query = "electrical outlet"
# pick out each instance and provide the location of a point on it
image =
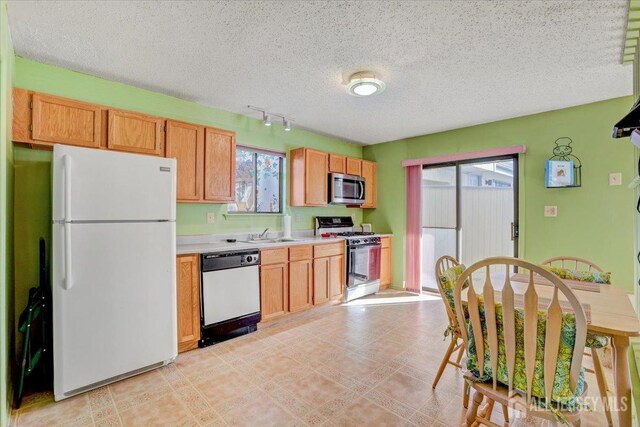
(550, 211)
(615, 178)
(297, 217)
(211, 217)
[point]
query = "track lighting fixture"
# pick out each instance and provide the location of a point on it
(266, 118)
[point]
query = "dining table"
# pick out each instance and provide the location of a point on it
(609, 312)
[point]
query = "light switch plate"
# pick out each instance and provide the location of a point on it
(211, 217)
(550, 211)
(615, 178)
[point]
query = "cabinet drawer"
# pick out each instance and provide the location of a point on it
(386, 242)
(328, 249)
(274, 256)
(298, 253)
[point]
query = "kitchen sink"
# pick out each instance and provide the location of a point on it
(267, 241)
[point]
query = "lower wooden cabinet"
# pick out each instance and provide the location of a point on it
(188, 293)
(274, 289)
(328, 278)
(300, 285)
(336, 276)
(386, 269)
(320, 280)
(298, 277)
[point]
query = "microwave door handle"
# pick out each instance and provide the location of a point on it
(361, 185)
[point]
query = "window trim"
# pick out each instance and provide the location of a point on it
(282, 178)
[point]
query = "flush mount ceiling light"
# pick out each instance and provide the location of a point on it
(364, 83)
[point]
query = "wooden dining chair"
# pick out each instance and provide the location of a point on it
(448, 269)
(594, 341)
(572, 262)
(504, 362)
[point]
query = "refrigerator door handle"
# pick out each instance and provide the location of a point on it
(67, 256)
(66, 161)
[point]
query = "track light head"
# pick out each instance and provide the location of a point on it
(287, 124)
(266, 118)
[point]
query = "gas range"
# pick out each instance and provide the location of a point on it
(363, 254)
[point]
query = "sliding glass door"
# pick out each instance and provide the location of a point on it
(469, 212)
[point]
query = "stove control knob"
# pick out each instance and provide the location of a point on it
(356, 241)
(249, 258)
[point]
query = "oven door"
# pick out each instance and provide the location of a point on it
(364, 264)
(346, 189)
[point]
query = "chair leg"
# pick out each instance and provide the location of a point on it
(465, 398)
(473, 410)
(460, 353)
(602, 384)
(505, 413)
(445, 360)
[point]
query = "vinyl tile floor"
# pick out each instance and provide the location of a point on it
(369, 362)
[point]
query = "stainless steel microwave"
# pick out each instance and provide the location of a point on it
(346, 189)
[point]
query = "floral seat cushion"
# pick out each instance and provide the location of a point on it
(581, 275)
(448, 281)
(593, 340)
(562, 392)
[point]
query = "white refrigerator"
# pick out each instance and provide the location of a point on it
(114, 266)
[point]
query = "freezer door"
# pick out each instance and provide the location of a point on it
(101, 185)
(115, 311)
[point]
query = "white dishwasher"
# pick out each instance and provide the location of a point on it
(230, 295)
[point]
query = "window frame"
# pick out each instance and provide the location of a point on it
(281, 180)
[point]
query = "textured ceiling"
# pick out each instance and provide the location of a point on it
(447, 64)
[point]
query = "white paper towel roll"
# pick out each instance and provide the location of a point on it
(286, 226)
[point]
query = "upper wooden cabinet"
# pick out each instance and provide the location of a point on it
(219, 165)
(135, 133)
(188, 293)
(309, 177)
(337, 163)
(47, 119)
(185, 143)
(354, 166)
(370, 175)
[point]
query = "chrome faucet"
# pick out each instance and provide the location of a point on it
(264, 233)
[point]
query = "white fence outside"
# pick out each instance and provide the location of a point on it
(486, 217)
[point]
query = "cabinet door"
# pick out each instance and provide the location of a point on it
(188, 302)
(320, 280)
(316, 170)
(370, 175)
(300, 285)
(336, 276)
(386, 270)
(219, 165)
(337, 164)
(354, 166)
(64, 121)
(135, 133)
(185, 143)
(273, 290)
(22, 115)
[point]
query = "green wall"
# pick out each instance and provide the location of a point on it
(594, 222)
(6, 216)
(33, 167)
(191, 218)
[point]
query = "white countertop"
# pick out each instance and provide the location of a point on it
(222, 246)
